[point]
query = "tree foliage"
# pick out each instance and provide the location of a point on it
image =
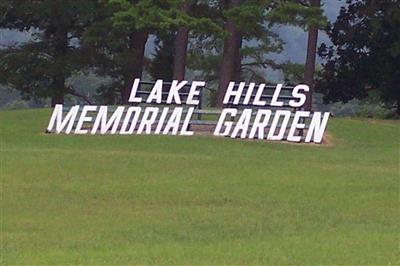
(252, 20)
(161, 66)
(119, 34)
(109, 37)
(41, 67)
(365, 55)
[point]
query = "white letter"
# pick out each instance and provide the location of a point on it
(317, 127)
(105, 125)
(301, 96)
(161, 120)
(230, 92)
(257, 98)
(194, 92)
(132, 96)
(156, 92)
(135, 118)
(274, 101)
(258, 125)
(173, 92)
(275, 122)
(173, 121)
(83, 118)
(249, 93)
(56, 118)
(242, 124)
(228, 124)
(185, 126)
(148, 121)
(297, 125)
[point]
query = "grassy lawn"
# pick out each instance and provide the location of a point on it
(198, 200)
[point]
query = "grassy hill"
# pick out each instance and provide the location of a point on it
(198, 200)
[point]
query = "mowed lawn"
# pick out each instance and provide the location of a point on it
(198, 200)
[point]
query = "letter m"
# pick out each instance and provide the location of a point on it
(59, 122)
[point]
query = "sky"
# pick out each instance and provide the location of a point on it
(296, 39)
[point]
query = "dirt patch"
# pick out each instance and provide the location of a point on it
(208, 130)
(327, 141)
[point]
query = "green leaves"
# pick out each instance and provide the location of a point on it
(40, 67)
(157, 15)
(294, 13)
(365, 54)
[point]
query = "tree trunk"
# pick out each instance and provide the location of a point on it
(310, 60)
(238, 63)
(181, 42)
(60, 51)
(231, 59)
(139, 39)
(58, 87)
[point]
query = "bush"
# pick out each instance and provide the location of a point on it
(359, 108)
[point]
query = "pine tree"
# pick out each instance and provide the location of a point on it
(231, 58)
(41, 67)
(310, 57)
(120, 33)
(162, 66)
(244, 19)
(180, 47)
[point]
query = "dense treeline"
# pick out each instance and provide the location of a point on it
(222, 40)
(364, 60)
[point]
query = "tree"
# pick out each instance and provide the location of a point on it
(180, 48)
(254, 18)
(231, 58)
(117, 47)
(40, 68)
(365, 54)
(310, 58)
(293, 73)
(172, 44)
(120, 33)
(162, 65)
(238, 53)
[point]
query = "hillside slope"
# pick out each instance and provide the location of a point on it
(198, 200)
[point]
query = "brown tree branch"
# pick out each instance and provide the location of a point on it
(83, 97)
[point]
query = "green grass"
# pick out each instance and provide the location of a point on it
(198, 200)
